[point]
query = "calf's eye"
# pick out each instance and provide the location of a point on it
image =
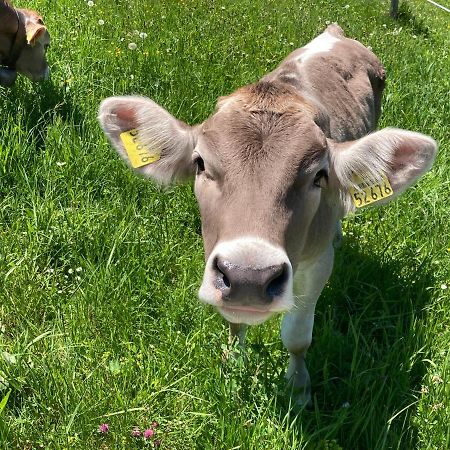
(321, 178)
(200, 164)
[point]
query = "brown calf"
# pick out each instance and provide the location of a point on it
(24, 40)
(277, 166)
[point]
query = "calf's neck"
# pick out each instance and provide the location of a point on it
(277, 166)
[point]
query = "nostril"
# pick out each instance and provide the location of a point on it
(277, 283)
(226, 281)
(222, 282)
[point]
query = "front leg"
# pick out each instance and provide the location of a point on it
(296, 328)
(238, 331)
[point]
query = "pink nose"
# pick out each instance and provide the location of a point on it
(249, 285)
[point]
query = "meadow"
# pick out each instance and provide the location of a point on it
(99, 269)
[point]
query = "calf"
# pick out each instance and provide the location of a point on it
(277, 166)
(24, 40)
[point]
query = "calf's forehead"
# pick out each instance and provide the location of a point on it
(247, 140)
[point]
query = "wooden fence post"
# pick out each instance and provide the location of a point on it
(394, 8)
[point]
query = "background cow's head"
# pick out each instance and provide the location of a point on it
(32, 61)
(270, 185)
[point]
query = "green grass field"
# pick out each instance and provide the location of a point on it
(99, 269)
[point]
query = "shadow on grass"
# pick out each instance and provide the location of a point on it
(406, 18)
(365, 361)
(39, 105)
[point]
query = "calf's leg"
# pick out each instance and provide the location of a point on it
(296, 328)
(238, 331)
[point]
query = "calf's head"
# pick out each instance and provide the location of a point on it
(24, 40)
(270, 185)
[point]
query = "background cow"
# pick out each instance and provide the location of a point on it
(277, 166)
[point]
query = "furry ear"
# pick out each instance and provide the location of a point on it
(34, 32)
(400, 156)
(161, 144)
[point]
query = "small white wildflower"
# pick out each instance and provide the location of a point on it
(223, 7)
(70, 271)
(346, 6)
(60, 163)
(414, 36)
(444, 286)
(327, 22)
(384, 25)
(132, 77)
(143, 35)
(436, 379)
(437, 406)
(60, 291)
(369, 48)
(90, 3)
(78, 269)
(132, 46)
(78, 278)
(101, 22)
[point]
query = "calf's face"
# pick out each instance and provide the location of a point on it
(260, 169)
(270, 186)
(32, 61)
(24, 40)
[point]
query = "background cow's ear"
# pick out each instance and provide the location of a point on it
(34, 32)
(148, 138)
(397, 155)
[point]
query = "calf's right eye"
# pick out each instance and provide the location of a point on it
(200, 164)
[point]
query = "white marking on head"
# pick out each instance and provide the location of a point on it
(322, 43)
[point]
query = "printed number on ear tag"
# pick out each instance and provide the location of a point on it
(139, 154)
(366, 194)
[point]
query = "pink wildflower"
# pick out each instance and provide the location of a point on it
(103, 428)
(148, 433)
(155, 424)
(156, 443)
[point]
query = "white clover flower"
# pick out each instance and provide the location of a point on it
(60, 163)
(70, 271)
(142, 35)
(78, 269)
(101, 22)
(444, 286)
(90, 3)
(132, 46)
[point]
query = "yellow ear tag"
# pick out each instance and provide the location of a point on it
(139, 154)
(367, 194)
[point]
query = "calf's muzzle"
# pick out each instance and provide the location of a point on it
(243, 285)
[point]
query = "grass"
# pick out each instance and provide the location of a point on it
(99, 320)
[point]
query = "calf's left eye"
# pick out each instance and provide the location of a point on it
(321, 178)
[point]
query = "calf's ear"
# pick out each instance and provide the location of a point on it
(391, 154)
(148, 138)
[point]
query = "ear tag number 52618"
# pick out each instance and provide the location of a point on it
(366, 194)
(139, 154)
